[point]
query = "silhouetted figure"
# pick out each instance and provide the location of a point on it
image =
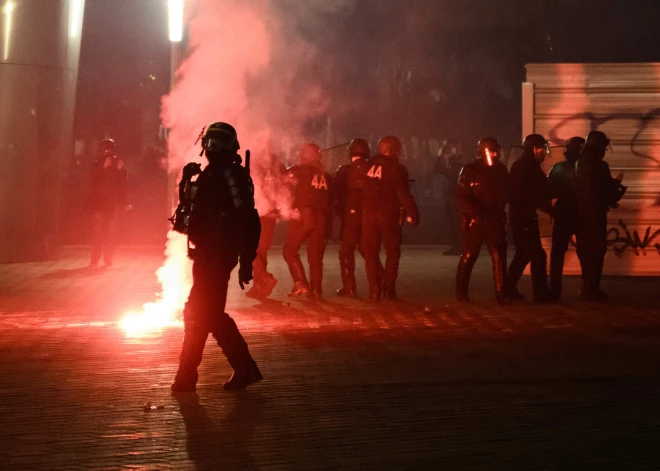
(107, 199)
(387, 204)
(348, 188)
(529, 192)
(312, 198)
(482, 196)
(224, 228)
(562, 188)
(596, 192)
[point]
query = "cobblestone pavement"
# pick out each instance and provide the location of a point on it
(421, 383)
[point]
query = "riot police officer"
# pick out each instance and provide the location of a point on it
(348, 186)
(312, 199)
(561, 180)
(387, 203)
(271, 193)
(596, 193)
(482, 197)
(107, 199)
(224, 229)
(529, 192)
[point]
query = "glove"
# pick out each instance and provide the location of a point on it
(191, 169)
(244, 274)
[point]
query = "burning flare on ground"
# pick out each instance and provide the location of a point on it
(175, 278)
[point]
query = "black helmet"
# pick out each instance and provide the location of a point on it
(489, 150)
(107, 146)
(220, 137)
(536, 141)
(573, 148)
(310, 154)
(389, 146)
(359, 148)
(596, 141)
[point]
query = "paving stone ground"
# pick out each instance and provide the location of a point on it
(421, 383)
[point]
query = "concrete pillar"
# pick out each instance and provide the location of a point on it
(39, 56)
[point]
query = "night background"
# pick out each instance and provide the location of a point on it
(423, 70)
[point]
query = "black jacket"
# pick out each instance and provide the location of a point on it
(529, 191)
(561, 181)
(482, 191)
(312, 187)
(348, 188)
(223, 220)
(386, 187)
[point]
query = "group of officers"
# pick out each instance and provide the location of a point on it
(371, 196)
(583, 191)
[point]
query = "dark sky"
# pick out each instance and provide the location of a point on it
(436, 68)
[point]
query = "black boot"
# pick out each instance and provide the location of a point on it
(348, 289)
(463, 273)
(300, 284)
(242, 379)
(374, 293)
(299, 288)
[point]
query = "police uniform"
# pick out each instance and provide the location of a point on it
(271, 178)
(224, 229)
(561, 181)
(482, 197)
(596, 193)
(348, 186)
(312, 198)
(386, 203)
(529, 192)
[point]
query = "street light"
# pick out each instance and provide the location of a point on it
(175, 15)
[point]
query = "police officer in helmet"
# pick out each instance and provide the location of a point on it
(312, 205)
(387, 203)
(561, 180)
(597, 192)
(224, 229)
(482, 197)
(529, 192)
(348, 188)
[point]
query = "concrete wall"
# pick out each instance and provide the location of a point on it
(622, 100)
(39, 54)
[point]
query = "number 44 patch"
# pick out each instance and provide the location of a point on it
(319, 183)
(376, 171)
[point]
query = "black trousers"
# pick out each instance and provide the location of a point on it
(562, 232)
(527, 237)
(475, 233)
(104, 233)
(351, 232)
(591, 239)
(310, 227)
(382, 226)
(260, 264)
(204, 313)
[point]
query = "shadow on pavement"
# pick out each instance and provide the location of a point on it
(74, 272)
(221, 443)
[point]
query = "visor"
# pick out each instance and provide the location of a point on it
(490, 157)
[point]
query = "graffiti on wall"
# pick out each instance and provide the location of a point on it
(643, 120)
(631, 240)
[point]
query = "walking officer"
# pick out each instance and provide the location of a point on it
(312, 198)
(529, 192)
(224, 229)
(482, 197)
(596, 193)
(387, 202)
(348, 186)
(561, 180)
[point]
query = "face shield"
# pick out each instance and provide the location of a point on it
(490, 156)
